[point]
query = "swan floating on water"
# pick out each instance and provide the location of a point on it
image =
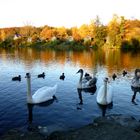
(17, 78)
(135, 84)
(105, 94)
(136, 80)
(41, 95)
(85, 83)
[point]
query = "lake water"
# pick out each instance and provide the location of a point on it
(66, 113)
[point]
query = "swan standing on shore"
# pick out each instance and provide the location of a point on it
(84, 83)
(105, 95)
(41, 95)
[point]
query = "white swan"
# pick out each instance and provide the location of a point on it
(41, 95)
(136, 80)
(105, 95)
(85, 83)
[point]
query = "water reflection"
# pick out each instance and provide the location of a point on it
(135, 90)
(102, 63)
(31, 106)
(105, 107)
(91, 91)
(111, 58)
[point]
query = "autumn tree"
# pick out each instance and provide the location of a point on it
(116, 30)
(27, 31)
(84, 31)
(75, 34)
(47, 33)
(98, 32)
(2, 35)
(61, 33)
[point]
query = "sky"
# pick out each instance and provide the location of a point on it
(68, 13)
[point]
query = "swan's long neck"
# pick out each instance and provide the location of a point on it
(81, 76)
(80, 80)
(105, 92)
(29, 96)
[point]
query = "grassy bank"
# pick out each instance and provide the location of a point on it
(64, 45)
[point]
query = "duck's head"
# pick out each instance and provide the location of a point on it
(80, 71)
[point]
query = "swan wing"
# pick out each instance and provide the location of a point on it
(92, 81)
(135, 82)
(89, 84)
(84, 80)
(43, 94)
(109, 94)
(100, 96)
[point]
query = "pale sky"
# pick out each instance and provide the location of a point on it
(66, 13)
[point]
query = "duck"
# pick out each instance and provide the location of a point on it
(16, 78)
(62, 77)
(114, 76)
(43, 94)
(124, 73)
(41, 75)
(84, 83)
(105, 94)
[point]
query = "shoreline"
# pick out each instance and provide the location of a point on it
(103, 128)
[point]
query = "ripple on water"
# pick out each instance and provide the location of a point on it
(61, 115)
